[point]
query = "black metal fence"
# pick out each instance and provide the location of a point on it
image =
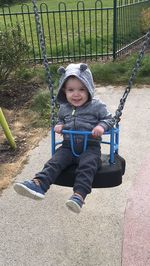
(81, 33)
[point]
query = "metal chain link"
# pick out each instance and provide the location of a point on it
(45, 60)
(135, 69)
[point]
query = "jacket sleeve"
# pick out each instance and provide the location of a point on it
(60, 119)
(104, 116)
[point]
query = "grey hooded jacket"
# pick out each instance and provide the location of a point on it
(87, 116)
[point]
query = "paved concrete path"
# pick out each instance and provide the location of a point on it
(136, 239)
(45, 233)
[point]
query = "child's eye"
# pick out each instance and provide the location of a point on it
(69, 90)
(82, 89)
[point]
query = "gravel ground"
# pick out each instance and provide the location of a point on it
(46, 233)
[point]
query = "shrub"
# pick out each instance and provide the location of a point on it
(145, 20)
(13, 50)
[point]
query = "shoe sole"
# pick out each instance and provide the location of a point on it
(73, 206)
(27, 192)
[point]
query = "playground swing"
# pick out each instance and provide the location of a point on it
(113, 165)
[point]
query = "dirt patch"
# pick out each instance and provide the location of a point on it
(15, 94)
(15, 100)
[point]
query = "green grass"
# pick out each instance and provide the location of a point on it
(76, 33)
(118, 72)
(63, 23)
(41, 105)
(53, 4)
(68, 40)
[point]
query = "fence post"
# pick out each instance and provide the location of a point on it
(114, 29)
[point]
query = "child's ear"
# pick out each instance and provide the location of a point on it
(83, 67)
(61, 70)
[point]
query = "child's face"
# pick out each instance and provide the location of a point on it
(76, 92)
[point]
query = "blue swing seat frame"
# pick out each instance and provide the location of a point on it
(113, 165)
(113, 141)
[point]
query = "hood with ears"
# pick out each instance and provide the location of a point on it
(80, 71)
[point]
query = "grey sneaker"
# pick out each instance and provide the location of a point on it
(75, 203)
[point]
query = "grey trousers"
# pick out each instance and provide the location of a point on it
(87, 165)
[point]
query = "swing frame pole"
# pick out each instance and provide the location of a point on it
(6, 129)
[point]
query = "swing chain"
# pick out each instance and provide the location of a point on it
(135, 69)
(45, 60)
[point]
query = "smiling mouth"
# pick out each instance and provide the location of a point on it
(76, 100)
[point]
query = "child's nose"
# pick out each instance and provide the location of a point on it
(76, 93)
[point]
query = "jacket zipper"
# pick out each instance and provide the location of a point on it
(73, 114)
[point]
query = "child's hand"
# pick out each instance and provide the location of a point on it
(97, 131)
(58, 128)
